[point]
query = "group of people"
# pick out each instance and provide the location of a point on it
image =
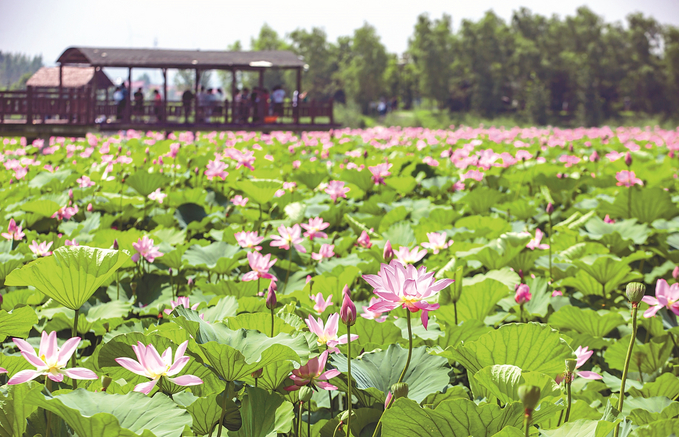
(120, 99)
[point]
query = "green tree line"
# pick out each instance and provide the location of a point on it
(17, 68)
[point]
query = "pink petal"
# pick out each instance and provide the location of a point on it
(425, 318)
(59, 377)
(145, 387)
(80, 373)
(131, 365)
(589, 375)
(186, 380)
(330, 374)
(651, 311)
(24, 346)
(650, 300)
(67, 350)
(23, 376)
(177, 366)
(180, 350)
(35, 361)
(325, 385)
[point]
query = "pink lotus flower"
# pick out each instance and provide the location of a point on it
(364, 240)
(321, 303)
(437, 242)
(245, 158)
(288, 237)
(42, 249)
(582, 355)
(607, 219)
(71, 243)
(627, 179)
(260, 266)
(348, 309)
(379, 172)
(327, 335)
(326, 251)
(523, 294)
(248, 240)
(13, 231)
(154, 366)
(569, 160)
(314, 228)
(407, 256)
(557, 293)
(458, 186)
(85, 182)
(157, 196)
(216, 169)
(336, 189)
(666, 296)
(239, 200)
(181, 301)
(312, 374)
(473, 174)
(535, 242)
(145, 248)
(405, 286)
(65, 212)
(50, 361)
(373, 315)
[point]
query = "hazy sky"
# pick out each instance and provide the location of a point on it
(48, 27)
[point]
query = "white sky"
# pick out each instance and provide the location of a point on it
(48, 27)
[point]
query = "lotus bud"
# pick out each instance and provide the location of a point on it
(189, 282)
(628, 159)
(635, 292)
(271, 296)
(523, 294)
(594, 157)
(570, 148)
(388, 253)
(571, 364)
(348, 310)
(550, 208)
(115, 244)
(89, 207)
(106, 382)
(399, 390)
(675, 273)
(520, 273)
(530, 396)
(257, 373)
(70, 194)
(305, 393)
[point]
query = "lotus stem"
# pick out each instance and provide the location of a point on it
(621, 401)
(569, 398)
(308, 420)
(629, 202)
(272, 322)
(410, 347)
(118, 284)
(551, 278)
(299, 420)
(455, 309)
(221, 418)
(336, 428)
(349, 378)
(48, 388)
(526, 422)
(287, 273)
(74, 333)
(332, 412)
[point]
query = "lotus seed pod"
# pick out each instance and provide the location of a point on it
(635, 291)
(399, 390)
(305, 393)
(571, 364)
(530, 396)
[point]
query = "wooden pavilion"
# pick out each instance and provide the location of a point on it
(55, 103)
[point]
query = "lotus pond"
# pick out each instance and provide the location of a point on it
(393, 282)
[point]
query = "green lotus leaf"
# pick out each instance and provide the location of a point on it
(207, 411)
(404, 185)
(146, 183)
(503, 382)
(17, 323)
(71, 275)
(582, 428)
(209, 256)
(8, 263)
(310, 178)
(111, 415)
(665, 385)
(260, 191)
(646, 358)
(499, 252)
(586, 321)
(476, 302)
(43, 207)
(264, 414)
(14, 410)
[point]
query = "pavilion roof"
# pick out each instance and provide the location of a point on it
(182, 59)
(72, 77)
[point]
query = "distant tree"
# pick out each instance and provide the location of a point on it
(314, 48)
(15, 65)
(268, 39)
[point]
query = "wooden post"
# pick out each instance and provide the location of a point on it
(29, 105)
(233, 95)
(164, 112)
(94, 97)
(195, 96)
(128, 98)
(312, 111)
(61, 89)
(299, 95)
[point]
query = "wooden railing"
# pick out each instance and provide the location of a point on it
(77, 106)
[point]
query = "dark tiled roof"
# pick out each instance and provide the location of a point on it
(185, 59)
(72, 77)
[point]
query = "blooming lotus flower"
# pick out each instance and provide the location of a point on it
(157, 196)
(535, 242)
(321, 304)
(154, 366)
(13, 231)
(181, 301)
(473, 174)
(260, 265)
(569, 160)
(71, 243)
(437, 242)
(312, 374)
(244, 159)
(85, 182)
(145, 248)
(327, 334)
(50, 361)
(557, 293)
(314, 228)
(65, 212)
(364, 240)
(326, 251)
(336, 189)
(523, 294)
(289, 237)
(41, 249)
(248, 240)
(666, 296)
(609, 220)
(379, 172)
(405, 286)
(581, 355)
(239, 200)
(215, 169)
(407, 256)
(627, 179)
(457, 186)
(373, 315)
